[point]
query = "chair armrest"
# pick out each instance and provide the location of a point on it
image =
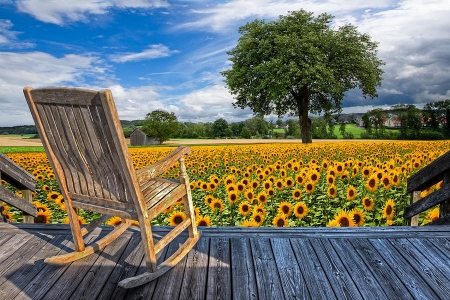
(157, 168)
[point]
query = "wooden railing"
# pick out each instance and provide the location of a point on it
(438, 170)
(21, 179)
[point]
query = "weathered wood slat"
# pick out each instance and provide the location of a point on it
(433, 273)
(169, 284)
(340, 280)
(71, 96)
(427, 202)
(219, 269)
(102, 201)
(20, 203)
(432, 250)
(430, 174)
(313, 273)
(403, 269)
(15, 282)
(196, 272)
(16, 175)
(243, 271)
(384, 275)
(267, 277)
(358, 270)
(14, 243)
(292, 281)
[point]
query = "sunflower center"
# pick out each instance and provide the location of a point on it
(258, 218)
(202, 223)
(389, 210)
(280, 223)
(344, 222)
(297, 194)
(300, 210)
(178, 219)
(285, 209)
(372, 183)
(245, 208)
(357, 218)
(367, 202)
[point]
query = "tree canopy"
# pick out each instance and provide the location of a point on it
(161, 125)
(298, 64)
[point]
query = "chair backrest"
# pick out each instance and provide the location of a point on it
(83, 138)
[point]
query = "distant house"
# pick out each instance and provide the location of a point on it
(139, 138)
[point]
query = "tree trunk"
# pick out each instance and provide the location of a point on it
(305, 122)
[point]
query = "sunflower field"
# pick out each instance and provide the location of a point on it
(321, 184)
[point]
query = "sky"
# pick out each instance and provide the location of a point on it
(164, 54)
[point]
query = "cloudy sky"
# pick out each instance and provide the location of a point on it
(168, 54)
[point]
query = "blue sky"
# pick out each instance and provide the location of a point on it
(169, 54)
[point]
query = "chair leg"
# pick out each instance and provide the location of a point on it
(165, 266)
(75, 255)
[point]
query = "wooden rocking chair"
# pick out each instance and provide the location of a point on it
(83, 139)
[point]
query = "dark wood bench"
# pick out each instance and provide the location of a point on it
(21, 179)
(438, 170)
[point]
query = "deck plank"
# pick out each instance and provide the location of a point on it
(219, 269)
(381, 270)
(358, 270)
(339, 278)
(235, 263)
(416, 285)
(244, 280)
(267, 277)
(196, 272)
(292, 281)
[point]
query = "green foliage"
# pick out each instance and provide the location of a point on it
(160, 124)
(298, 64)
(245, 133)
(220, 128)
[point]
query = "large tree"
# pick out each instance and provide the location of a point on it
(299, 64)
(161, 125)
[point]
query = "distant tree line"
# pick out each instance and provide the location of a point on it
(24, 129)
(429, 123)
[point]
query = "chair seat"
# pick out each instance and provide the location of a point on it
(158, 193)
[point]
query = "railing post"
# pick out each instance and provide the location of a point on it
(2, 218)
(415, 196)
(27, 196)
(444, 208)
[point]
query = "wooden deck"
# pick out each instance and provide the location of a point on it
(237, 263)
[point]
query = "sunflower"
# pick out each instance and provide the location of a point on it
(368, 203)
(250, 195)
(46, 188)
(231, 187)
(204, 221)
(289, 182)
(258, 218)
(389, 222)
(296, 194)
(372, 183)
(255, 184)
(433, 215)
(209, 199)
(332, 191)
(396, 179)
(204, 186)
(333, 223)
(300, 210)
(270, 192)
(339, 167)
(262, 198)
(240, 187)
(43, 217)
(351, 193)
(217, 205)
(358, 217)
(250, 223)
(386, 181)
(280, 221)
(41, 207)
(366, 172)
(267, 184)
(212, 186)
(61, 203)
(309, 187)
(259, 209)
(300, 178)
(285, 208)
(233, 197)
(388, 211)
(314, 176)
(176, 218)
(114, 221)
(245, 208)
(52, 196)
(279, 184)
(330, 179)
(345, 219)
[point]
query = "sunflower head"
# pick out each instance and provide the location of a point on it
(368, 203)
(296, 194)
(280, 221)
(372, 183)
(245, 208)
(262, 198)
(114, 221)
(358, 217)
(285, 208)
(388, 211)
(300, 210)
(204, 221)
(332, 191)
(233, 197)
(250, 223)
(176, 218)
(309, 187)
(258, 218)
(351, 193)
(345, 219)
(43, 217)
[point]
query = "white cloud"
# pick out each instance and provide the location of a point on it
(63, 11)
(154, 51)
(38, 69)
